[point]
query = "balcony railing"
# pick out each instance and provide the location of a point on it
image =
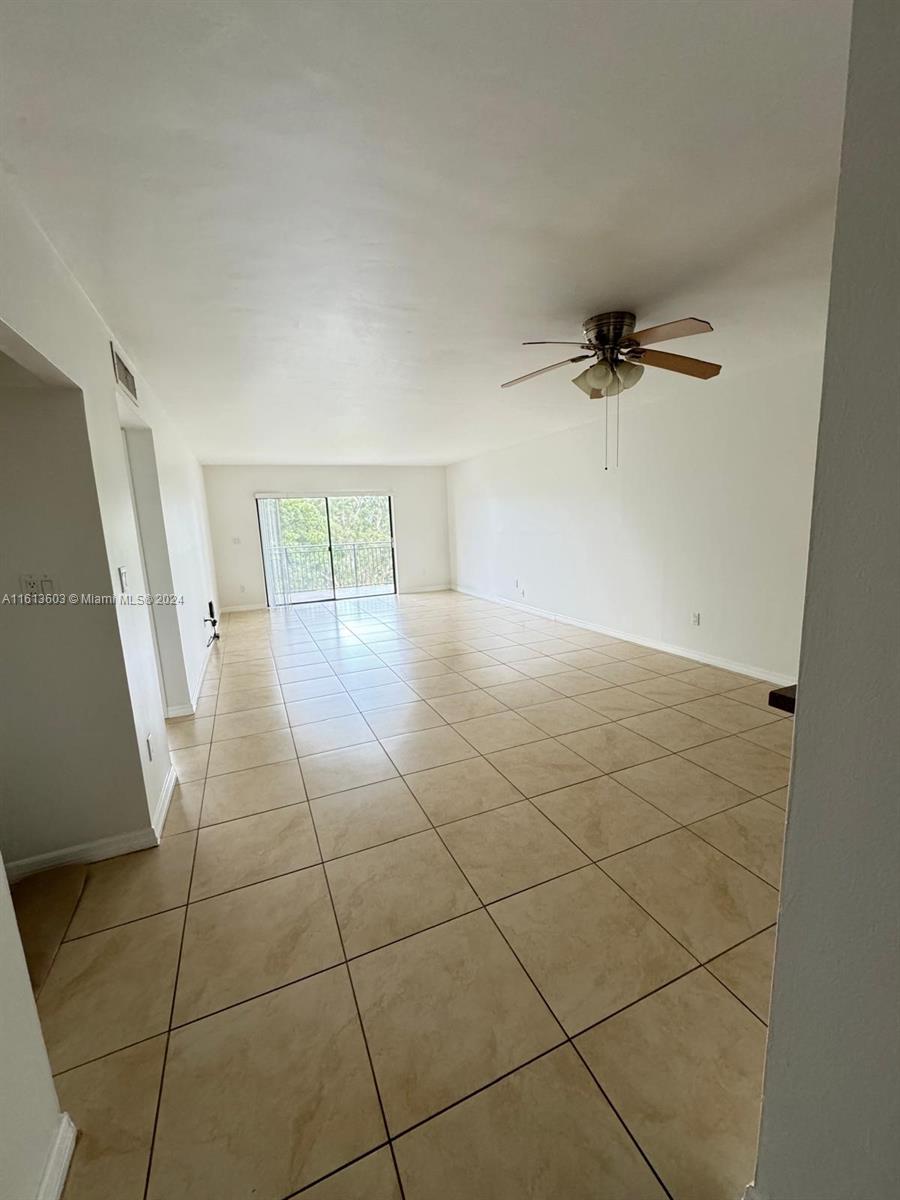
(305, 572)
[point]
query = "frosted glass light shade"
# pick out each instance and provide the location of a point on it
(596, 378)
(629, 373)
(603, 380)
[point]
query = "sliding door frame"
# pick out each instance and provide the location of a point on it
(330, 556)
(334, 495)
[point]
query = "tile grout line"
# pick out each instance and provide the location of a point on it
(486, 909)
(351, 854)
(706, 967)
(607, 721)
(737, 862)
(555, 738)
(63, 943)
(362, 1027)
(168, 1030)
(399, 636)
(406, 937)
(700, 963)
(385, 1145)
(568, 1039)
(483, 907)
(602, 774)
(404, 837)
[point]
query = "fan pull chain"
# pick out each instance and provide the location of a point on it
(606, 433)
(618, 395)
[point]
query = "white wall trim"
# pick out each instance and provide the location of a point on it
(201, 674)
(668, 647)
(426, 587)
(164, 799)
(189, 709)
(119, 843)
(244, 608)
(54, 1178)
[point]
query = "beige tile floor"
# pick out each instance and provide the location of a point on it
(453, 903)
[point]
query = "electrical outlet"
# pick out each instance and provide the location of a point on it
(695, 618)
(35, 585)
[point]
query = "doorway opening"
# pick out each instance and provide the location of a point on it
(326, 547)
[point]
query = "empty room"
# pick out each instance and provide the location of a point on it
(448, 600)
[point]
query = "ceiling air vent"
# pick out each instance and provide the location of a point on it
(124, 377)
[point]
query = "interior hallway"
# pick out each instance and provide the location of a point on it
(446, 890)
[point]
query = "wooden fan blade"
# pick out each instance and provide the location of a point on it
(543, 370)
(686, 327)
(581, 344)
(678, 362)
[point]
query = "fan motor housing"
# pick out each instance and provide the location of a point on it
(608, 329)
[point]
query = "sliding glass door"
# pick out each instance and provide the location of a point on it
(296, 549)
(362, 545)
(326, 547)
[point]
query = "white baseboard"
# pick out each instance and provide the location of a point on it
(425, 587)
(713, 660)
(163, 801)
(188, 710)
(119, 843)
(244, 608)
(54, 1178)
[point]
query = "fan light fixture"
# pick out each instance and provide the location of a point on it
(608, 379)
(621, 353)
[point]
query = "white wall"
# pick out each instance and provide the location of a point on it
(157, 567)
(420, 520)
(67, 739)
(190, 545)
(831, 1108)
(707, 512)
(29, 1112)
(44, 310)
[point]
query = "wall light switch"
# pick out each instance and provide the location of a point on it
(123, 580)
(695, 618)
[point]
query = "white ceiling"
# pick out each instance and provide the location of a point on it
(323, 227)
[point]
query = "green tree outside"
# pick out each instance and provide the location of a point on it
(360, 519)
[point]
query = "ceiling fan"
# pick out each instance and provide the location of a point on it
(621, 353)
